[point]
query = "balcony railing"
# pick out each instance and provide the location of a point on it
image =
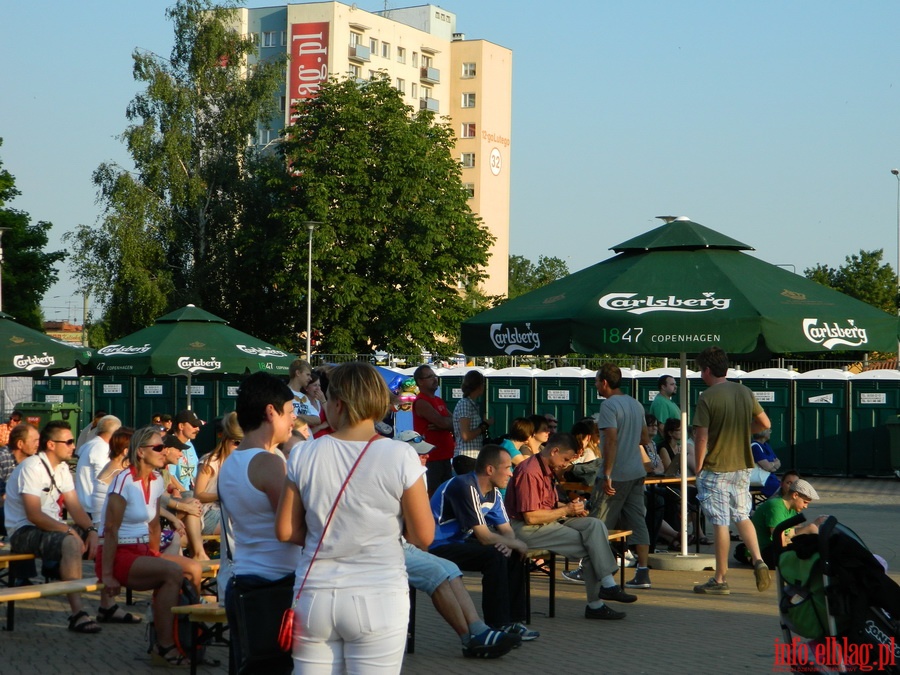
(431, 75)
(431, 104)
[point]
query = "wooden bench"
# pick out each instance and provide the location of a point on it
(204, 615)
(7, 558)
(11, 595)
(550, 557)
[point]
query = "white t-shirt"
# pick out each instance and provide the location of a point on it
(92, 457)
(32, 477)
(302, 404)
(140, 506)
(362, 544)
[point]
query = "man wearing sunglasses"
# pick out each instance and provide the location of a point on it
(37, 489)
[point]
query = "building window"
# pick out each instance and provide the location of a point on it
(284, 38)
(386, 50)
(415, 60)
(401, 85)
(267, 136)
(282, 103)
(468, 130)
(401, 54)
(468, 100)
(426, 61)
(468, 160)
(373, 45)
(468, 70)
(469, 189)
(426, 92)
(355, 71)
(355, 39)
(413, 90)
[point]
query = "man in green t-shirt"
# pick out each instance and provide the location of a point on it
(663, 407)
(772, 512)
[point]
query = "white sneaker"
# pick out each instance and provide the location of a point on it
(628, 563)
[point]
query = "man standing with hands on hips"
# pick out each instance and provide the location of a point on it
(727, 415)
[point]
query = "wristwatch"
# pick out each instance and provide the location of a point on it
(604, 477)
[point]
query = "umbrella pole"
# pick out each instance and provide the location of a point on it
(188, 393)
(683, 400)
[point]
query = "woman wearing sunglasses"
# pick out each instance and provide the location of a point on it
(129, 555)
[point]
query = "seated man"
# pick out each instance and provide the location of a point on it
(442, 581)
(473, 531)
(775, 511)
(33, 514)
(541, 521)
(767, 463)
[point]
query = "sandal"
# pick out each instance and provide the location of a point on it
(109, 616)
(86, 626)
(168, 657)
(705, 541)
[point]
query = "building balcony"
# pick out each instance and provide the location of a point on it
(431, 104)
(360, 53)
(431, 76)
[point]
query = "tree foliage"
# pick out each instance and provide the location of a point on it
(525, 276)
(863, 277)
(28, 272)
(397, 241)
(167, 234)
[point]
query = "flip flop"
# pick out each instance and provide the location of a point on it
(109, 616)
(88, 626)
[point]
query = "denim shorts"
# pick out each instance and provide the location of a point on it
(426, 571)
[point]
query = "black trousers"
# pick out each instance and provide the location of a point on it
(502, 582)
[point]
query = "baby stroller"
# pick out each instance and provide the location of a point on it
(833, 592)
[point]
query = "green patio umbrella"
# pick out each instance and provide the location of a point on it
(25, 351)
(677, 290)
(185, 342)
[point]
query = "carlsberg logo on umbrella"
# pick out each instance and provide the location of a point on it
(194, 364)
(260, 351)
(831, 335)
(627, 302)
(512, 340)
(32, 362)
(119, 350)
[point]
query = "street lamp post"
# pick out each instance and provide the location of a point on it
(896, 173)
(311, 224)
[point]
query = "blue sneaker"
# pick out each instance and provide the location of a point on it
(489, 644)
(522, 631)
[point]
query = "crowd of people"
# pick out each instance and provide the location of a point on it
(308, 491)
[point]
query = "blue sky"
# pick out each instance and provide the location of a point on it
(773, 122)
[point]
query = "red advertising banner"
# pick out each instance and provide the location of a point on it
(309, 61)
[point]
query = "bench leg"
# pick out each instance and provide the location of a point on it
(10, 616)
(552, 564)
(622, 550)
(527, 562)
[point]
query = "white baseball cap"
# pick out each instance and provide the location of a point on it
(416, 440)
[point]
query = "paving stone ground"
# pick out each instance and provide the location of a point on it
(669, 630)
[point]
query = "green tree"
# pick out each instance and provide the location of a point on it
(168, 233)
(397, 245)
(28, 272)
(863, 277)
(525, 276)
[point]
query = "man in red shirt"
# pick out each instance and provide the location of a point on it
(432, 419)
(542, 522)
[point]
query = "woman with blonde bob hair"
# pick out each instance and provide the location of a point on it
(352, 613)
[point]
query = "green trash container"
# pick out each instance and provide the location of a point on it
(874, 403)
(821, 416)
(560, 391)
(772, 388)
(451, 385)
(66, 389)
(510, 394)
(38, 413)
(114, 394)
(893, 427)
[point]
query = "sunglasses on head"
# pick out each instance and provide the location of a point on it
(416, 439)
(159, 447)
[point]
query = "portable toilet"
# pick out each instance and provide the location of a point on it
(115, 395)
(821, 417)
(560, 391)
(772, 388)
(874, 401)
(510, 394)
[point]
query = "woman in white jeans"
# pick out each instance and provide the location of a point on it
(352, 613)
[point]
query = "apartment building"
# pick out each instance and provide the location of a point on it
(435, 67)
